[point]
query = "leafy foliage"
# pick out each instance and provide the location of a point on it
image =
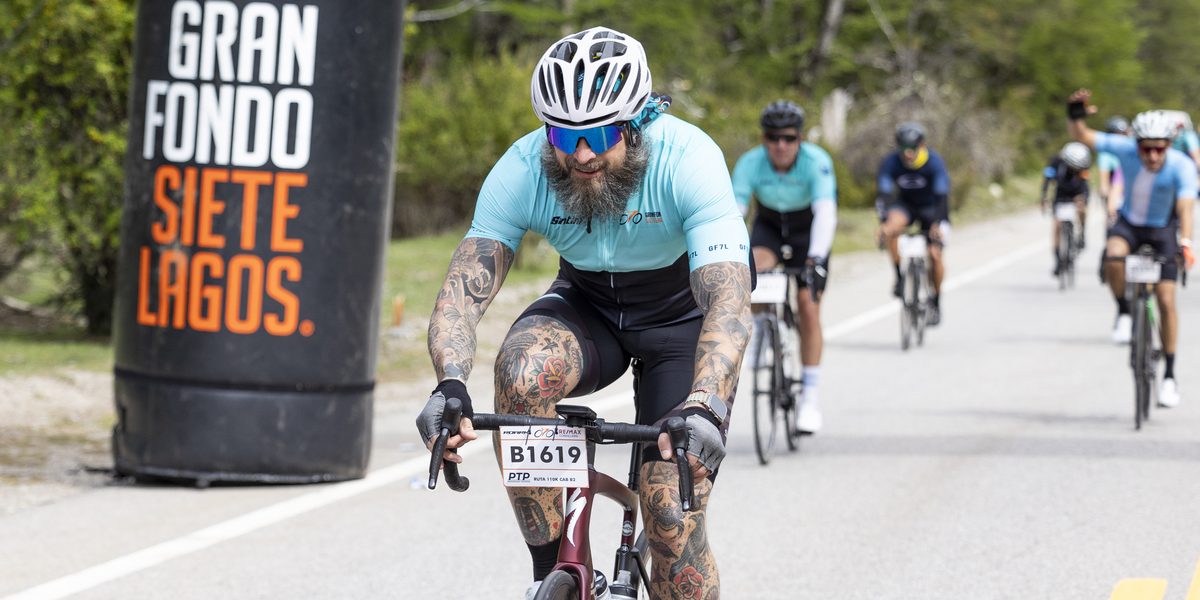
(987, 78)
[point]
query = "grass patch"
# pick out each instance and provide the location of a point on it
(415, 269)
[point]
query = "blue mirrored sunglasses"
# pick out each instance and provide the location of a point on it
(599, 139)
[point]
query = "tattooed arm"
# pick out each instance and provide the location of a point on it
(722, 291)
(476, 272)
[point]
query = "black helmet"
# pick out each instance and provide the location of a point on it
(1117, 125)
(909, 134)
(782, 114)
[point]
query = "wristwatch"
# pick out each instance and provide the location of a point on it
(710, 402)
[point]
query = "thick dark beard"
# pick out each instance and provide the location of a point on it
(581, 199)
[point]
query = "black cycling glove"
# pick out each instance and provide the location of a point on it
(429, 421)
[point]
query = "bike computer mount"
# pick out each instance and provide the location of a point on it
(576, 416)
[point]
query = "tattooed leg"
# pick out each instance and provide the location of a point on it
(681, 563)
(540, 362)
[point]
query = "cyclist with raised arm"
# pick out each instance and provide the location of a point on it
(1156, 210)
(792, 180)
(1067, 173)
(913, 185)
(654, 267)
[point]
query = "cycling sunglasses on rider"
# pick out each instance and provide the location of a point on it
(781, 137)
(599, 139)
(1152, 148)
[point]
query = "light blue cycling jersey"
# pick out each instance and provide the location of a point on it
(1107, 162)
(1149, 197)
(810, 179)
(1186, 142)
(685, 204)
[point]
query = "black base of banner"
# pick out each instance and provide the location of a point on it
(174, 432)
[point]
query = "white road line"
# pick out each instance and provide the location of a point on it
(269, 515)
(886, 310)
(255, 520)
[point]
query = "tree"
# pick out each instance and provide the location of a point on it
(64, 81)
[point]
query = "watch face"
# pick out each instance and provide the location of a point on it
(718, 407)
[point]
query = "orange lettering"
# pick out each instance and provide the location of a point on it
(172, 287)
(240, 266)
(144, 316)
(188, 236)
(204, 300)
(291, 304)
(283, 212)
(165, 232)
(210, 206)
(251, 180)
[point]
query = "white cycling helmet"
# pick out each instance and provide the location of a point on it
(1076, 155)
(595, 77)
(1155, 125)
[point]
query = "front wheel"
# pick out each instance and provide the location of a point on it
(1140, 360)
(558, 585)
(767, 371)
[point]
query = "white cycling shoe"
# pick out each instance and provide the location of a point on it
(1123, 331)
(1168, 393)
(808, 417)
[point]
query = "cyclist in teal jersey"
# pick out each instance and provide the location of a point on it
(1186, 140)
(1156, 210)
(654, 267)
(793, 182)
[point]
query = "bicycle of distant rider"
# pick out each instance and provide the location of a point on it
(916, 307)
(1066, 214)
(775, 361)
(546, 452)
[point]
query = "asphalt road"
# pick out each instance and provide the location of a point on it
(998, 461)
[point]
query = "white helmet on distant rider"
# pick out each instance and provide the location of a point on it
(1076, 155)
(1154, 125)
(595, 77)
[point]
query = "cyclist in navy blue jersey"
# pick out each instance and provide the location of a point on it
(654, 267)
(913, 186)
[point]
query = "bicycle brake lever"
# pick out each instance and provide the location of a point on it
(678, 430)
(450, 417)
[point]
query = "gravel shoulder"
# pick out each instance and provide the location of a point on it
(55, 427)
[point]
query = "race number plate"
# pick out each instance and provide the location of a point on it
(771, 289)
(1065, 211)
(544, 456)
(1142, 269)
(912, 246)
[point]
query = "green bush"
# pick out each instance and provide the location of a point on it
(452, 130)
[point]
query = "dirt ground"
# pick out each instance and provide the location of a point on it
(55, 427)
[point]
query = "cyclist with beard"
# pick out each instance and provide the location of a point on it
(654, 267)
(914, 186)
(1160, 189)
(793, 183)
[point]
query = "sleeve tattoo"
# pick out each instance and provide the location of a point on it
(476, 272)
(722, 291)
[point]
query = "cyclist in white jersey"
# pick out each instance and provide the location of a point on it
(793, 183)
(1157, 210)
(654, 267)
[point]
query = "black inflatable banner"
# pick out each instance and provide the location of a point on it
(255, 224)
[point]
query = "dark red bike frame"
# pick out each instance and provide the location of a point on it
(574, 547)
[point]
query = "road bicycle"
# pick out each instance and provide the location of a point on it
(573, 577)
(914, 286)
(1143, 271)
(1066, 214)
(775, 360)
